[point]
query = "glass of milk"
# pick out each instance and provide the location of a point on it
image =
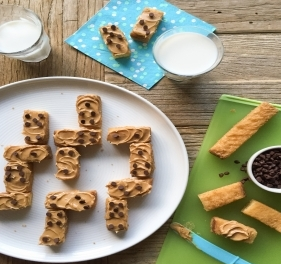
(22, 35)
(187, 52)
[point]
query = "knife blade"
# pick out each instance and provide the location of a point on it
(206, 246)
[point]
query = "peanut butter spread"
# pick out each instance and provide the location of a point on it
(116, 214)
(74, 138)
(146, 24)
(235, 231)
(115, 40)
(18, 177)
(128, 188)
(71, 200)
(56, 225)
(181, 230)
(15, 201)
(27, 153)
(129, 134)
(67, 162)
(88, 108)
(141, 160)
(36, 127)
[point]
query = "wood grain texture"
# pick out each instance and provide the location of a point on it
(250, 31)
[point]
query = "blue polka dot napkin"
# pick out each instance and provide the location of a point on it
(140, 66)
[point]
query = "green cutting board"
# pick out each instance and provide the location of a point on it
(205, 176)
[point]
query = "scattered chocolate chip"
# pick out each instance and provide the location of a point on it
(111, 214)
(61, 151)
(111, 204)
(22, 180)
(92, 140)
(27, 138)
(60, 214)
(38, 137)
(113, 27)
(145, 27)
(81, 113)
(34, 154)
(116, 209)
(7, 168)
(8, 173)
(77, 197)
(27, 116)
(86, 207)
(53, 197)
(53, 205)
(226, 173)
(19, 167)
(82, 201)
(104, 29)
(142, 22)
(83, 121)
(135, 165)
(93, 113)
(71, 153)
(27, 124)
(115, 135)
(146, 173)
(35, 120)
(80, 133)
(119, 36)
(245, 179)
(58, 223)
(40, 116)
(16, 154)
(57, 240)
(120, 205)
(134, 172)
(81, 141)
(92, 121)
(111, 34)
(221, 174)
(48, 214)
(118, 46)
(151, 15)
(39, 124)
(108, 41)
(121, 226)
(140, 152)
(45, 239)
(147, 165)
(121, 214)
(110, 227)
(14, 202)
(139, 187)
(114, 184)
(137, 135)
(50, 223)
(126, 193)
(120, 187)
(236, 161)
(8, 179)
(147, 32)
(65, 171)
(93, 134)
(87, 104)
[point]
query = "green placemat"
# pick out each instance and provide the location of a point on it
(205, 176)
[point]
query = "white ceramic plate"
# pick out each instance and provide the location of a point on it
(87, 236)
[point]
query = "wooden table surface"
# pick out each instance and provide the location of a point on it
(251, 67)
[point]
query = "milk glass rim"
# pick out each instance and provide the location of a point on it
(36, 42)
(250, 172)
(219, 45)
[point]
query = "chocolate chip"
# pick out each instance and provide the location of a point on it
(48, 214)
(119, 36)
(121, 214)
(140, 152)
(111, 214)
(147, 165)
(77, 197)
(113, 27)
(120, 187)
(236, 161)
(93, 134)
(81, 141)
(139, 187)
(92, 140)
(39, 124)
(45, 239)
(115, 135)
(8, 173)
(22, 180)
(111, 34)
(27, 116)
(38, 137)
(110, 227)
(147, 32)
(40, 116)
(16, 154)
(82, 201)
(135, 165)
(92, 121)
(137, 135)
(111, 204)
(114, 184)
(121, 226)
(87, 104)
(104, 29)
(19, 167)
(58, 223)
(65, 171)
(93, 113)
(120, 205)
(27, 124)
(57, 240)
(14, 202)
(221, 174)
(81, 114)
(7, 168)
(126, 193)
(50, 223)
(35, 120)
(53, 205)
(146, 173)
(142, 22)
(60, 214)
(226, 173)
(86, 207)
(108, 41)
(27, 138)
(53, 197)
(71, 153)
(83, 121)
(61, 152)
(116, 209)
(34, 154)
(134, 172)
(145, 27)
(118, 46)
(80, 133)
(151, 15)
(8, 179)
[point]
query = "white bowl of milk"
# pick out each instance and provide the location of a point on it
(187, 52)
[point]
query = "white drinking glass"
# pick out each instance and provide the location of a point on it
(22, 35)
(186, 52)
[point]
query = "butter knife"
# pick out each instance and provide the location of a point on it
(206, 246)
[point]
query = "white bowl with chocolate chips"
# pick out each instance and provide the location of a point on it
(264, 168)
